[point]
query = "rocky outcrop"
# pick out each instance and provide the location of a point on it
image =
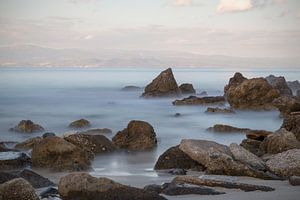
(280, 84)
(81, 123)
(285, 164)
(59, 155)
(84, 186)
(292, 123)
(253, 146)
(27, 126)
(219, 110)
(98, 131)
(28, 144)
(131, 88)
(174, 158)
(294, 86)
(286, 105)
(235, 81)
(193, 100)
(138, 135)
(164, 85)
(17, 189)
(187, 88)
(281, 140)
(13, 160)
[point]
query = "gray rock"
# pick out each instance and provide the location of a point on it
(13, 160)
(187, 88)
(280, 84)
(294, 180)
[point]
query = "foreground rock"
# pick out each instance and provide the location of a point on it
(17, 189)
(285, 164)
(193, 100)
(253, 146)
(187, 88)
(174, 158)
(81, 123)
(130, 88)
(28, 144)
(164, 85)
(294, 86)
(280, 84)
(98, 131)
(292, 123)
(27, 126)
(219, 110)
(294, 180)
(13, 160)
(59, 155)
(138, 135)
(84, 186)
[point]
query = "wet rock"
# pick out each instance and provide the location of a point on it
(28, 144)
(285, 164)
(5, 176)
(164, 85)
(286, 105)
(138, 135)
(81, 123)
(84, 186)
(294, 180)
(252, 146)
(27, 126)
(17, 189)
(193, 100)
(258, 135)
(177, 115)
(36, 180)
(294, 85)
(13, 160)
(235, 81)
(292, 123)
(174, 158)
(49, 193)
(98, 131)
(219, 110)
(59, 155)
(187, 88)
(298, 95)
(280, 141)
(130, 88)
(174, 189)
(48, 134)
(7, 146)
(280, 84)
(177, 171)
(220, 128)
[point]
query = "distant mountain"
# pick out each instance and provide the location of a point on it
(36, 56)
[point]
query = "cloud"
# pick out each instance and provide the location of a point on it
(183, 2)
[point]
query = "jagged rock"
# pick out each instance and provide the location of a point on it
(286, 105)
(28, 144)
(294, 180)
(59, 155)
(17, 189)
(130, 88)
(84, 186)
(294, 85)
(49, 193)
(258, 135)
(285, 164)
(235, 81)
(193, 100)
(138, 135)
(187, 88)
(292, 123)
(48, 134)
(81, 123)
(219, 110)
(252, 146)
(27, 126)
(174, 158)
(13, 160)
(98, 131)
(163, 85)
(280, 141)
(280, 84)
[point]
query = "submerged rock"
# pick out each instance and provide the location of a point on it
(130, 88)
(81, 123)
(280, 84)
(13, 160)
(292, 123)
(138, 135)
(28, 144)
(226, 128)
(219, 110)
(193, 100)
(164, 85)
(27, 126)
(187, 88)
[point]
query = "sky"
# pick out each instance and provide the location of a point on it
(243, 28)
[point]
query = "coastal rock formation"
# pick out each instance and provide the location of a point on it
(17, 189)
(59, 155)
(292, 123)
(164, 85)
(187, 88)
(294, 86)
(81, 123)
(287, 105)
(84, 186)
(285, 164)
(219, 110)
(28, 144)
(193, 100)
(13, 160)
(174, 158)
(138, 135)
(27, 126)
(131, 88)
(281, 140)
(253, 146)
(235, 81)
(280, 84)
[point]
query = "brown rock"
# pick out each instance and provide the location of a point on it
(187, 88)
(236, 80)
(280, 84)
(81, 123)
(252, 146)
(193, 100)
(28, 144)
(259, 135)
(286, 105)
(294, 180)
(219, 110)
(292, 123)
(98, 131)
(13, 160)
(27, 126)
(220, 128)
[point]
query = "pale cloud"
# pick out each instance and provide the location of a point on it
(183, 2)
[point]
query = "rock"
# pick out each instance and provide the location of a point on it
(280, 141)
(59, 155)
(294, 180)
(7, 146)
(164, 85)
(84, 186)
(28, 144)
(220, 128)
(258, 135)
(13, 160)
(244, 156)
(5, 176)
(177, 171)
(48, 134)
(280, 84)
(252, 146)
(17, 189)
(285, 164)
(81, 123)
(130, 88)
(193, 100)
(177, 115)
(174, 158)
(49, 192)
(292, 123)
(91, 143)
(138, 135)
(294, 85)
(27, 126)
(219, 110)
(254, 93)
(36, 180)
(286, 105)
(98, 131)
(298, 95)
(235, 81)
(187, 88)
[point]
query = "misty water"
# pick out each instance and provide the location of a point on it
(55, 97)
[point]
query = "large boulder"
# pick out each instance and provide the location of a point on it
(294, 86)
(286, 105)
(28, 144)
(59, 155)
(81, 123)
(138, 135)
(164, 85)
(285, 164)
(236, 80)
(174, 158)
(13, 160)
(280, 84)
(292, 123)
(17, 189)
(193, 100)
(85, 186)
(187, 88)
(281, 140)
(27, 126)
